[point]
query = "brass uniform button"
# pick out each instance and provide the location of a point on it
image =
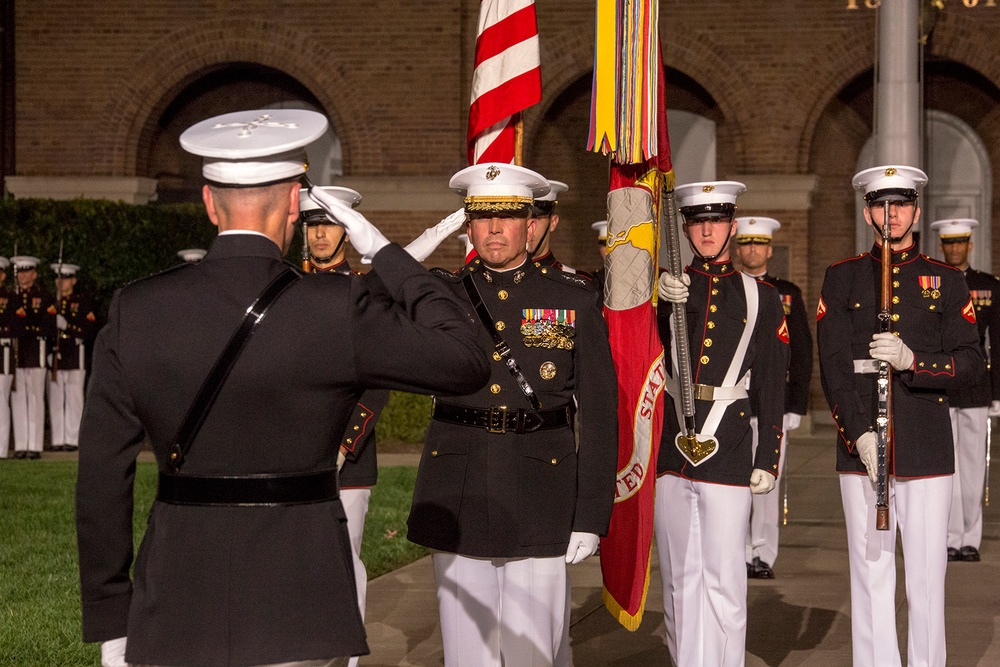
(857, 305)
(705, 266)
(500, 325)
(502, 295)
(712, 308)
(715, 279)
(940, 400)
(495, 388)
(554, 461)
(931, 307)
(742, 414)
(895, 317)
(708, 342)
(714, 292)
(349, 441)
(545, 270)
(434, 453)
(711, 324)
(777, 451)
(496, 356)
(704, 359)
(895, 283)
(357, 428)
(364, 414)
(947, 367)
(895, 299)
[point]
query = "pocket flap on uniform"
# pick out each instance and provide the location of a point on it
(552, 451)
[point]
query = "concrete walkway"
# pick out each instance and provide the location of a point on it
(800, 618)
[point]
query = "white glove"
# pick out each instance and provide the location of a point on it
(761, 481)
(994, 409)
(341, 458)
(581, 545)
(113, 653)
(887, 347)
(790, 421)
(674, 290)
(421, 247)
(867, 447)
(365, 237)
(61, 323)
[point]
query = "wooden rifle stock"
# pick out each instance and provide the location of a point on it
(883, 422)
(306, 263)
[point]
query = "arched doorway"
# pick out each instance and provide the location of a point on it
(223, 89)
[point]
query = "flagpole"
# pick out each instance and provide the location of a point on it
(518, 139)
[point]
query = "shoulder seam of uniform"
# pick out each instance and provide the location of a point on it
(568, 278)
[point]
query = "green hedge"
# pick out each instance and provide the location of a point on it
(114, 243)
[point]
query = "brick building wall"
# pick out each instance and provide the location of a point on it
(788, 83)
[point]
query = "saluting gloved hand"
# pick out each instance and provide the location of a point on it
(790, 421)
(365, 237)
(61, 323)
(581, 546)
(421, 247)
(761, 481)
(994, 409)
(891, 348)
(113, 653)
(867, 446)
(674, 290)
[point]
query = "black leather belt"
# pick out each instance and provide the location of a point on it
(501, 419)
(249, 490)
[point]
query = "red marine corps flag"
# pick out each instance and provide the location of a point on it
(507, 78)
(628, 122)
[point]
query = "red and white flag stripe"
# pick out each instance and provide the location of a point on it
(507, 77)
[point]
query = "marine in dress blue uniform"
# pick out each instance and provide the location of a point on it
(971, 404)
(933, 346)
(76, 326)
(739, 353)
(506, 493)
(7, 360)
(246, 557)
(753, 250)
(33, 326)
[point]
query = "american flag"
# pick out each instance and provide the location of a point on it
(507, 77)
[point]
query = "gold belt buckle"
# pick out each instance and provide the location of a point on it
(496, 422)
(704, 392)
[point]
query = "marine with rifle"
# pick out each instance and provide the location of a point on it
(909, 318)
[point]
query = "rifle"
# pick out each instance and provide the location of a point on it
(687, 440)
(883, 422)
(13, 339)
(306, 263)
(62, 311)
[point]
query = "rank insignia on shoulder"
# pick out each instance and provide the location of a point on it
(969, 312)
(820, 310)
(548, 327)
(783, 331)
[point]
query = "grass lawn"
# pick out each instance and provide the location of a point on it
(39, 582)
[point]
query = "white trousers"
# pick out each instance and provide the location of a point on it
(5, 382)
(700, 531)
(27, 406)
(66, 406)
(920, 508)
(965, 525)
(762, 533)
(500, 611)
(355, 503)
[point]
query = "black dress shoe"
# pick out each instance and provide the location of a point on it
(58, 448)
(20, 454)
(762, 570)
(953, 554)
(749, 570)
(969, 554)
(70, 448)
(34, 455)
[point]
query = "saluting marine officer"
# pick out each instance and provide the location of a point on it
(753, 250)
(504, 495)
(739, 353)
(327, 246)
(246, 557)
(33, 326)
(7, 360)
(971, 404)
(933, 346)
(75, 324)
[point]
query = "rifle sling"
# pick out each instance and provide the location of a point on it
(210, 388)
(498, 342)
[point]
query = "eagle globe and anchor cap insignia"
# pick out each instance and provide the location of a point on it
(891, 171)
(708, 188)
(492, 172)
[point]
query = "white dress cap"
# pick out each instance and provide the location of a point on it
(251, 148)
(756, 229)
(310, 211)
(713, 192)
(888, 179)
(191, 254)
(24, 262)
(4, 263)
(601, 227)
(555, 187)
(955, 228)
(67, 270)
(498, 187)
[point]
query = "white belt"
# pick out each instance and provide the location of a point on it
(866, 365)
(704, 392)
